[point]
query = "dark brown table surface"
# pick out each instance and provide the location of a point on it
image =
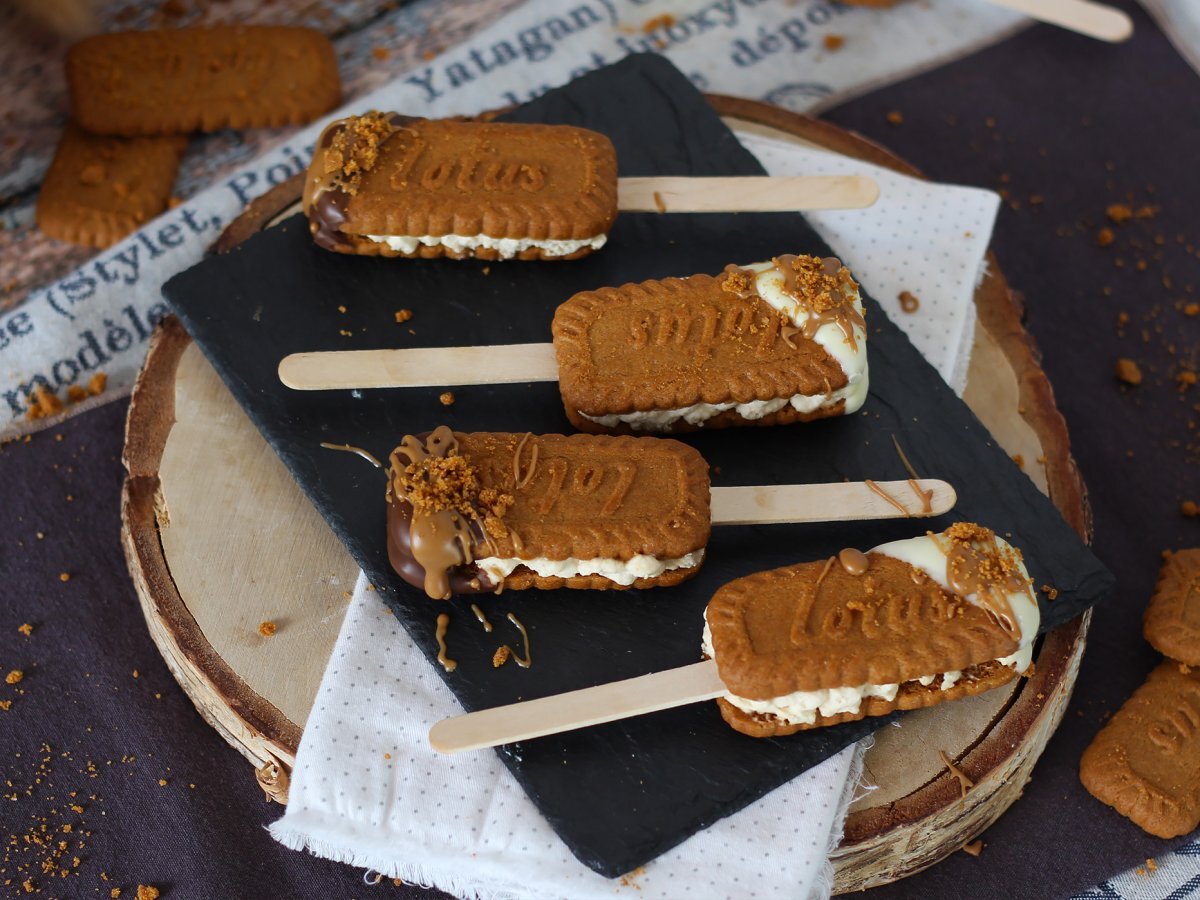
(100, 738)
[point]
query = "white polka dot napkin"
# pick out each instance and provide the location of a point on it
(368, 790)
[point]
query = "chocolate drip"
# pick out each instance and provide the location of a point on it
(443, 622)
(343, 156)
(435, 528)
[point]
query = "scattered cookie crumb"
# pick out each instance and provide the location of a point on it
(1105, 237)
(147, 892)
(664, 21)
(909, 302)
(5, 705)
(974, 848)
(1019, 460)
(503, 652)
(1185, 379)
(26, 629)
(64, 576)
(1192, 309)
(380, 53)
(115, 893)
(1189, 508)
(403, 316)
(1050, 592)
(14, 676)
(895, 117)
(44, 403)
(162, 782)
(447, 398)
(1118, 213)
(833, 41)
(344, 332)
(1128, 371)
(1151, 865)
(266, 629)
(659, 204)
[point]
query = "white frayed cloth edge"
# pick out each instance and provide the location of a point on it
(368, 790)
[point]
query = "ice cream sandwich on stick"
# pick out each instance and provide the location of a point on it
(770, 343)
(384, 184)
(906, 625)
(470, 513)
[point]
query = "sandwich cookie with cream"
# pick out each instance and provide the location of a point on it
(770, 343)
(478, 512)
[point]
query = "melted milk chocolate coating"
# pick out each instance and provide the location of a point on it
(545, 499)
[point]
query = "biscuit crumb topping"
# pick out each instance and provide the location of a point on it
(355, 148)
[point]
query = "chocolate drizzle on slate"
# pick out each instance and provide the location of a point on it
(690, 767)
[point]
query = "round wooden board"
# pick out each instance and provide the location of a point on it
(219, 538)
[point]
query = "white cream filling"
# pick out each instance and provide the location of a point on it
(854, 393)
(768, 282)
(801, 707)
(506, 248)
(622, 571)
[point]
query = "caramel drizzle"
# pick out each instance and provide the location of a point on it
(965, 565)
(855, 562)
(356, 450)
(526, 661)
(443, 622)
(483, 620)
(739, 282)
(904, 460)
(925, 496)
(889, 498)
(523, 482)
(964, 783)
(800, 620)
(843, 313)
(441, 540)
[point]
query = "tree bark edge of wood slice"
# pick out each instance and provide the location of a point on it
(881, 844)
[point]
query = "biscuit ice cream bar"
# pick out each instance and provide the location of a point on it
(383, 184)
(906, 625)
(488, 511)
(769, 343)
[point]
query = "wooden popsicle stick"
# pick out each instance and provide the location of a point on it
(578, 709)
(419, 367)
(836, 502)
(747, 193)
(1097, 20)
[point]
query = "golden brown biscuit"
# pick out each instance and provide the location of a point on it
(634, 511)
(1145, 763)
(907, 625)
(174, 81)
(679, 354)
(383, 184)
(1172, 620)
(99, 189)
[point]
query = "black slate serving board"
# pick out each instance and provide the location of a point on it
(618, 794)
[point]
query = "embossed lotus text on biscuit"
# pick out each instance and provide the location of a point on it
(1177, 726)
(467, 171)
